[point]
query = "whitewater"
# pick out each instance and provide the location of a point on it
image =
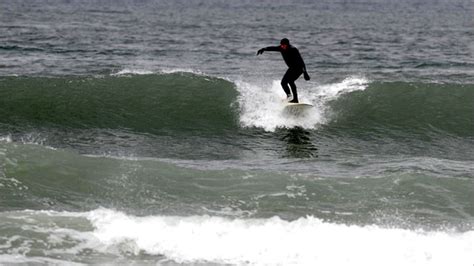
(205, 239)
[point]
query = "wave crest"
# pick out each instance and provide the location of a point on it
(148, 103)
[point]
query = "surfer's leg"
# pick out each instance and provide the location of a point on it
(293, 91)
(284, 83)
(294, 75)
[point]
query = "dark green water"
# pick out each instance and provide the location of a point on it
(148, 132)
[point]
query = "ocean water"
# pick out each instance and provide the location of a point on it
(150, 133)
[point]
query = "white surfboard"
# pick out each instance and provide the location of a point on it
(297, 108)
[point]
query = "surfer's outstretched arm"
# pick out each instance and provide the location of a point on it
(270, 49)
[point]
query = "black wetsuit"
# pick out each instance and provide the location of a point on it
(296, 67)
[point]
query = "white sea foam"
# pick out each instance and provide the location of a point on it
(210, 239)
(129, 71)
(7, 139)
(145, 71)
(262, 105)
(181, 70)
(306, 241)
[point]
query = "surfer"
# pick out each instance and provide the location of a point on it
(295, 64)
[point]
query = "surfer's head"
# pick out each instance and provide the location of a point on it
(284, 43)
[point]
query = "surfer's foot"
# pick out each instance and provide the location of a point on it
(294, 101)
(289, 97)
